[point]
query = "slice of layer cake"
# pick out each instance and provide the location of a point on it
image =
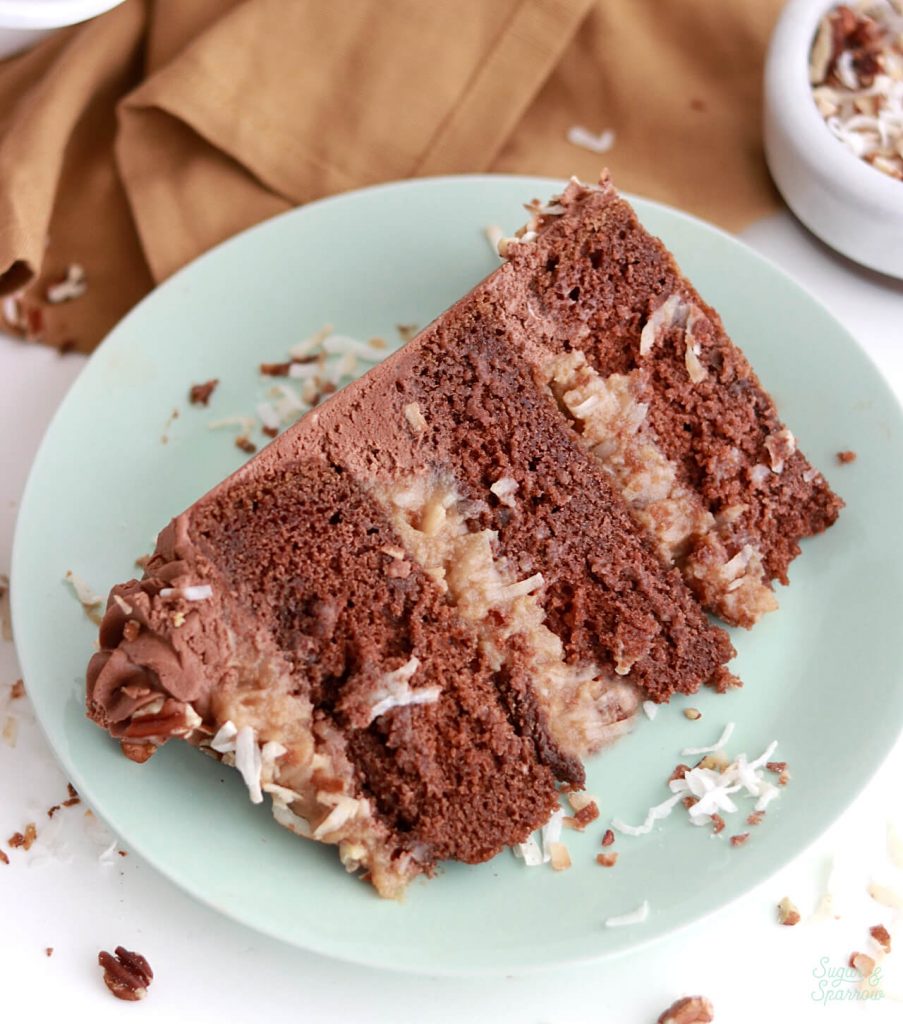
(409, 616)
(666, 404)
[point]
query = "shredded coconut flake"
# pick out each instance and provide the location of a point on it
(224, 740)
(342, 344)
(73, 286)
(504, 489)
(268, 416)
(550, 833)
(529, 852)
(515, 590)
(494, 236)
(395, 692)
(415, 417)
(90, 601)
(650, 709)
(312, 344)
(244, 423)
(579, 136)
(195, 592)
(637, 916)
(248, 761)
(673, 311)
(717, 745)
(657, 813)
(886, 895)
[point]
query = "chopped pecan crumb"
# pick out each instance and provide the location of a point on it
(862, 963)
(608, 838)
(407, 331)
(692, 713)
(123, 853)
(587, 813)
(3, 858)
(275, 369)
(72, 801)
(689, 1010)
(270, 431)
(52, 810)
(844, 457)
(71, 790)
(779, 768)
(739, 839)
(18, 690)
(755, 818)
(137, 752)
(787, 912)
(127, 975)
(48, 951)
(882, 936)
(200, 393)
(679, 772)
(23, 839)
(689, 801)
(607, 860)
(717, 823)
(245, 444)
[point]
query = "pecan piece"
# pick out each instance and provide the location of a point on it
(862, 963)
(127, 975)
(200, 393)
(882, 936)
(787, 912)
(138, 752)
(689, 1010)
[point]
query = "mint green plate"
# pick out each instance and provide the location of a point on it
(822, 674)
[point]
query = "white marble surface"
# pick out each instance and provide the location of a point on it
(209, 968)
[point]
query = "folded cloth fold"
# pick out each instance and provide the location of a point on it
(134, 142)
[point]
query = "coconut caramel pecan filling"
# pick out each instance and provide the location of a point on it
(301, 764)
(257, 721)
(586, 706)
(609, 414)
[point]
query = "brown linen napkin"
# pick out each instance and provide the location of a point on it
(133, 143)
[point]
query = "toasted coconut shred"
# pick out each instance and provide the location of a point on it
(856, 72)
(596, 143)
(638, 916)
(708, 790)
(91, 602)
(314, 368)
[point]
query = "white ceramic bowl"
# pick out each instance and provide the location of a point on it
(856, 209)
(25, 22)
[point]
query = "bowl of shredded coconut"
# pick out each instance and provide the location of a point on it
(834, 124)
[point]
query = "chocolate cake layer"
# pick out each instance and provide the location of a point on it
(645, 372)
